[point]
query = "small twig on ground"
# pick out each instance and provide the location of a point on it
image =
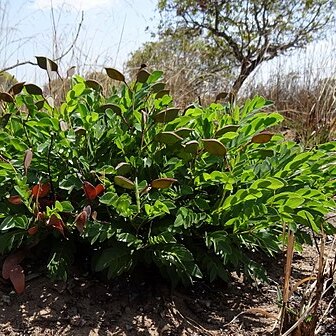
(255, 311)
(189, 320)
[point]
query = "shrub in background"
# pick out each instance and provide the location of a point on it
(133, 180)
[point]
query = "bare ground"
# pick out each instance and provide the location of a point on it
(88, 307)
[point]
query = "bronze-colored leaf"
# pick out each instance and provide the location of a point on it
(226, 129)
(34, 229)
(80, 221)
(214, 147)
(11, 261)
(39, 104)
(168, 138)
(162, 183)
(41, 190)
(191, 147)
(262, 137)
(167, 115)
(115, 74)
(6, 97)
(56, 223)
(80, 131)
(123, 182)
(222, 96)
(157, 87)
(183, 132)
(123, 168)
(17, 277)
(27, 159)
(33, 89)
(162, 93)
(93, 84)
(115, 108)
(142, 76)
(4, 120)
(46, 63)
(15, 199)
(16, 88)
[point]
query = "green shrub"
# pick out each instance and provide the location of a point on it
(135, 181)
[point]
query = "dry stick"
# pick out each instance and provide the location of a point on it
(327, 310)
(312, 306)
(305, 314)
(260, 311)
(287, 273)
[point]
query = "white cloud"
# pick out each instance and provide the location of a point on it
(73, 4)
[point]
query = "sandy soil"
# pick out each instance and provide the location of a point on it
(87, 307)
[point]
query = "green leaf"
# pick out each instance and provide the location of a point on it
(67, 206)
(268, 183)
(116, 259)
(16, 221)
(177, 262)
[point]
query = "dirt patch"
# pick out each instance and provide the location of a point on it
(85, 306)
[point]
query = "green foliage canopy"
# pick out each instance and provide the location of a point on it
(126, 180)
(248, 32)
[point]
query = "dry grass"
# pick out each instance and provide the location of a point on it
(303, 89)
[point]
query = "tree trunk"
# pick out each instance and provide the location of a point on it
(246, 69)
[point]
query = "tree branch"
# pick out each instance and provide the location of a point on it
(17, 65)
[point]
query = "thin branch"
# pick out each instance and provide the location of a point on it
(74, 41)
(17, 65)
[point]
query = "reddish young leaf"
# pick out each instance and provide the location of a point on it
(17, 278)
(56, 223)
(99, 189)
(32, 230)
(15, 199)
(41, 190)
(81, 220)
(10, 262)
(90, 190)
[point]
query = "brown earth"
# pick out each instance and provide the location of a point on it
(87, 307)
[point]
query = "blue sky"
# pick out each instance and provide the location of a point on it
(110, 31)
